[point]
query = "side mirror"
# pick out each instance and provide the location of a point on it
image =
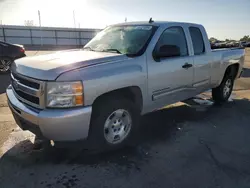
(167, 51)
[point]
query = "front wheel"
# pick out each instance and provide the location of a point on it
(5, 63)
(113, 123)
(222, 93)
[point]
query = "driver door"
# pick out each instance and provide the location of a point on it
(170, 78)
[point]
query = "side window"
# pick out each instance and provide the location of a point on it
(174, 36)
(197, 39)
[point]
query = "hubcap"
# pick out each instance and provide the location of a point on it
(4, 65)
(117, 126)
(227, 88)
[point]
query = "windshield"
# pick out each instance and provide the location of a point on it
(125, 39)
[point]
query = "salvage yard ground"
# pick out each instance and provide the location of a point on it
(192, 144)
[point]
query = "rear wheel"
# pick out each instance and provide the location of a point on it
(222, 93)
(5, 63)
(113, 123)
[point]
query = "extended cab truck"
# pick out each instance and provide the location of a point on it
(99, 92)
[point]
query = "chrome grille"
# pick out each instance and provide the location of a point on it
(28, 90)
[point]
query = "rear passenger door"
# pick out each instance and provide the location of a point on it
(200, 58)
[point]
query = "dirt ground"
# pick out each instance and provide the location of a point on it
(192, 144)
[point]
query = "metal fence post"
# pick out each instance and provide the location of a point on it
(4, 38)
(79, 35)
(56, 37)
(31, 38)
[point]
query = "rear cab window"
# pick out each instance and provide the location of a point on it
(197, 40)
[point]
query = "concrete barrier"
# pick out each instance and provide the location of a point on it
(46, 36)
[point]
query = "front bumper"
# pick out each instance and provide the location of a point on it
(53, 124)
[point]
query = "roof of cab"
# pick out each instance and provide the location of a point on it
(157, 23)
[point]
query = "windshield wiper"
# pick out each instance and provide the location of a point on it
(106, 50)
(112, 50)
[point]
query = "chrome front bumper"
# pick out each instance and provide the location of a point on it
(53, 124)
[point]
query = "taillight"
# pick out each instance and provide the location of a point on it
(22, 50)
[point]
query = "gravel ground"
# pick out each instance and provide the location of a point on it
(192, 144)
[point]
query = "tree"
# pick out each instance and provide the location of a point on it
(246, 38)
(212, 39)
(227, 40)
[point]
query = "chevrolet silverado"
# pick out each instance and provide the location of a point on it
(99, 92)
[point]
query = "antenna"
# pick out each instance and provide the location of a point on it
(151, 20)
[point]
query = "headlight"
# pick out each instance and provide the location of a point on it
(64, 94)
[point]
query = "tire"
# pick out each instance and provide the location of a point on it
(5, 63)
(41, 143)
(105, 123)
(222, 93)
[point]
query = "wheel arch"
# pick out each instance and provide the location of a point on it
(231, 69)
(132, 93)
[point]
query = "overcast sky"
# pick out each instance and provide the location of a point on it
(222, 18)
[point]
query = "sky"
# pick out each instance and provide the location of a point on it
(221, 18)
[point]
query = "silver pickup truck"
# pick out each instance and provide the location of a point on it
(99, 92)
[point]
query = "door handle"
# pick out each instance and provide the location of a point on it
(187, 66)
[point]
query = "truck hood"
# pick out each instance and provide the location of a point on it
(49, 67)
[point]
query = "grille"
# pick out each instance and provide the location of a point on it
(28, 90)
(26, 82)
(28, 97)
